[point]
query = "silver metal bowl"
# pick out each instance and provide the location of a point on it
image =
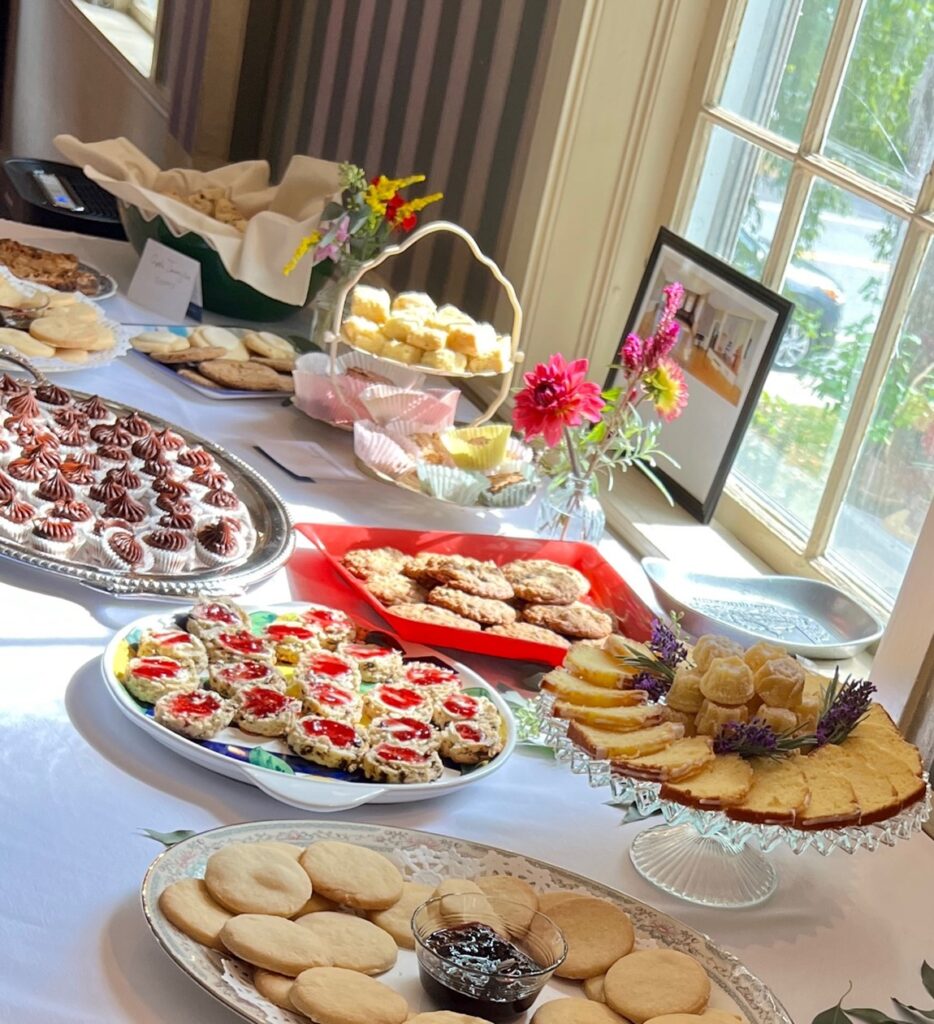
(805, 616)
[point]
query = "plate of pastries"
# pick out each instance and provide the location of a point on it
(61, 271)
(347, 923)
(307, 703)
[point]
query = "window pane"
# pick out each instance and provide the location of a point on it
(893, 482)
(738, 199)
(883, 123)
(776, 62)
(837, 279)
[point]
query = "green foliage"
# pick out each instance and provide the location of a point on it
(802, 432)
(839, 1015)
(167, 838)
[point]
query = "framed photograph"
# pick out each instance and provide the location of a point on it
(731, 327)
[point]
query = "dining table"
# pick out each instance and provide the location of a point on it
(79, 786)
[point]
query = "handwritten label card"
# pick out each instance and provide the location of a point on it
(166, 282)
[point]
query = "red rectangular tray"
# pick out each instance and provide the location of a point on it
(608, 590)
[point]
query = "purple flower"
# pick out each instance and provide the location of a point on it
(844, 706)
(665, 645)
(748, 739)
(654, 686)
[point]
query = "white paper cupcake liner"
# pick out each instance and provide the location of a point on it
(396, 375)
(55, 548)
(171, 561)
(516, 451)
(375, 448)
(14, 531)
(460, 486)
(516, 494)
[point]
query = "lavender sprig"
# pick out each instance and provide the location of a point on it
(844, 706)
(666, 643)
(656, 673)
(757, 739)
(655, 686)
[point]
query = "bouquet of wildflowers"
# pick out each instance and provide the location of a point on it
(363, 222)
(604, 430)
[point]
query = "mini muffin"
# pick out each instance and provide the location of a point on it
(198, 714)
(728, 681)
(685, 692)
(327, 742)
(265, 711)
(710, 646)
(712, 717)
(757, 655)
(780, 682)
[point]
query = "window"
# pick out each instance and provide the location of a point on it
(129, 25)
(813, 173)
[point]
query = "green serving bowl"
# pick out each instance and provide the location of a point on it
(221, 293)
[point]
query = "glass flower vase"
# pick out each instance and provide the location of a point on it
(571, 511)
(325, 301)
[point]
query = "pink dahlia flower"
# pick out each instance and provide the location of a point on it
(556, 395)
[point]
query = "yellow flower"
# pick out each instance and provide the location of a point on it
(378, 193)
(306, 243)
(416, 206)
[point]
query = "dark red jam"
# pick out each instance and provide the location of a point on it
(324, 693)
(324, 617)
(340, 734)
(262, 702)
(216, 613)
(361, 651)
(468, 732)
(243, 642)
(461, 705)
(399, 697)
(156, 668)
(406, 730)
(324, 664)
(478, 972)
(407, 755)
(244, 670)
(428, 675)
(279, 631)
(171, 639)
(198, 704)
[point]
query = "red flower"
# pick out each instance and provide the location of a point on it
(556, 396)
(409, 222)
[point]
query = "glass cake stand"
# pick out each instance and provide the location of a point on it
(703, 856)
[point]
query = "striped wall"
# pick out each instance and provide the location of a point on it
(180, 63)
(447, 88)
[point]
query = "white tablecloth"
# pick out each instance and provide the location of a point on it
(77, 783)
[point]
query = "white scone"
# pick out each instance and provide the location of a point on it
(369, 302)
(401, 352)
(219, 337)
(445, 359)
(475, 340)
(415, 301)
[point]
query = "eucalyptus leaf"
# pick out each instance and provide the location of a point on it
(927, 978)
(167, 838)
(926, 1014)
(836, 1014)
(264, 759)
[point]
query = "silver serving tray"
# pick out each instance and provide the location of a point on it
(275, 537)
(806, 616)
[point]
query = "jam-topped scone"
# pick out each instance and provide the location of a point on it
(393, 762)
(333, 626)
(328, 701)
(403, 731)
(376, 664)
(228, 677)
(198, 714)
(175, 643)
(265, 711)
(434, 680)
(470, 742)
(216, 614)
(385, 699)
(241, 643)
(150, 677)
(328, 667)
(328, 742)
(462, 707)
(291, 640)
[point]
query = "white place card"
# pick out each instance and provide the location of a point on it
(308, 461)
(167, 282)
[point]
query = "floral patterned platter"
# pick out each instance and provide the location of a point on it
(268, 763)
(426, 858)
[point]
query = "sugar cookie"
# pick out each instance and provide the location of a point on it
(598, 933)
(575, 1011)
(352, 942)
(159, 341)
(190, 907)
(72, 355)
(289, 849)
(63, 332)
(274, 943)
(316, 904)
(274, 987)
(464, 900)
(593, 988)
(547, 901)
(25, 343)
(265, 343)
(652, 982)
(332, 995)
(522, 898)
(248, 878)
(397, 919)
(444, 1017)
(352, 875)
(209, 336)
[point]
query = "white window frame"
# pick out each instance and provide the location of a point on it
(758, 525)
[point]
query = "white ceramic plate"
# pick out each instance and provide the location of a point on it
(427, 858)
(310, 788)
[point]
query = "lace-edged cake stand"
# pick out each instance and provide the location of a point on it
(703, 856)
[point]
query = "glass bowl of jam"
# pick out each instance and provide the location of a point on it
(490, 965)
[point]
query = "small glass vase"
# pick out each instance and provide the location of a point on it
(326, 300)
(571, 511)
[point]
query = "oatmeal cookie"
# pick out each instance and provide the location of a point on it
(422, 567)
(366, 562)
(577, 619)
(534, 634)
(543, 582)
(481, 579)
(433, 615)
(394, 588)
(486, 611)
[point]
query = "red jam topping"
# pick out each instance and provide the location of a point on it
(261, 701)
(399, 697)
(170, 639)
(198, 704)
(406, 730)
(319, 616)
(242, 641)
(339, 733)
(428, 675)
(156, 668)
(279, 631)
(462, 705)
(324, 693)
(326, 664)
(244, 670)
(362, 651)
(391, 752)
(468, 732)
(215, 613)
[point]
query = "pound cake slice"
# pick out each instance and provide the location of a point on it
(572, 690)
(608, 744)
(832, 803)
(877, 797)
(890, 761)
(778, 793)
(725, 781)
(683, 758)
(594, 665)
(618, 719)
(878, 727)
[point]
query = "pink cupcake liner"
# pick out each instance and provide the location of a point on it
(375, 448)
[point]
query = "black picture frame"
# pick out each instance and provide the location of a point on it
(703, 505)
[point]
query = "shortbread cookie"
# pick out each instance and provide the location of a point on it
(444, 1017)
(577, 619)
(521, 899)
(25, 343)
(333, 995)
(397, 919)
(651, 982)
(188, 355)
(547, 901)
(352, 875)
(486, 611)
(159, 341)
(251, 879)
(240, 376)
(575, 1011)
(352, 942)
(209, 336)
(597, 932)
(274, 987)
(191, 908)
(274, 943)
(533, 634)
(433, 615)
(316, 904)
(394, 588)
(480, 579)
(543, 582)
(463, 901)
(593, 988)
(268, 345)
(366, 562)
(291, 850)
(63, 332)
